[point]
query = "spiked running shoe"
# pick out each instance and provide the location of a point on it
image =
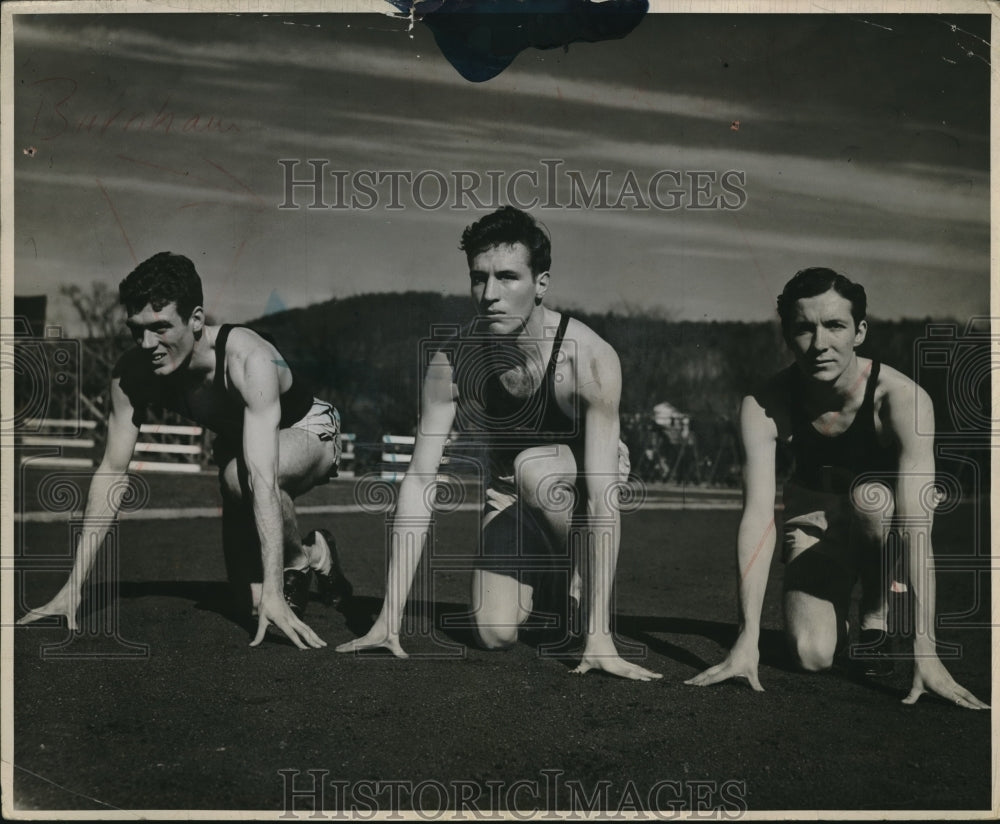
(332, 586)
(875, 661)
(297, 583)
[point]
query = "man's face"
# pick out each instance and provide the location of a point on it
(823, 337)
(504, 289)
(166, 337)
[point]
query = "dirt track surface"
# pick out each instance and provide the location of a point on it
(199, 720)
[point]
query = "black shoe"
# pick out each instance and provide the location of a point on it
(333, 586)
(297, 583)
(873, 660)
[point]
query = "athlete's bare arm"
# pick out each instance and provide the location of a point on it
(598, 381)
(253, 373)
(413, 514)
(754, 543)
(908, 413)
(103, 503)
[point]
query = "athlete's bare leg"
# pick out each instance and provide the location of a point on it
(303, 462)
(873, 505)
(812, 624)
(545, 477)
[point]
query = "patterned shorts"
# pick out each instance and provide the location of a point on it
(322, 420)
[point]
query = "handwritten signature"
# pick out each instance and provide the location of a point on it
(55, 118)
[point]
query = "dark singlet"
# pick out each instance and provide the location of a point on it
(831, 463)
(520, 423)
(146, 390)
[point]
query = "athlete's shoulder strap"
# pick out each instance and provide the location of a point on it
(557, 342)
(220, 354)
(872, 382)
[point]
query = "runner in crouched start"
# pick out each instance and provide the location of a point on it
(861, 436)
(274, 442)
(542, 390)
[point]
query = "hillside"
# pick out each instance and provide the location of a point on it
(363, 353)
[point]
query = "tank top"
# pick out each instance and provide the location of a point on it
(515, 424)
(146, 390)
(831, 463)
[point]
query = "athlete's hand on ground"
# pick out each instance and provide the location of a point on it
(614, 664)
(66, 604)
(274, 609)
(930, 675)
(378, 636)
(741, 662)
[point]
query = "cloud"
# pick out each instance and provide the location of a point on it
(140, 45)
(894, 251)
(914, 204)
(943, 194)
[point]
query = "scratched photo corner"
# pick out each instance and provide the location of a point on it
(485, 410)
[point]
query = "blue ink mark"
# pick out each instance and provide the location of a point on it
(481, 38)
(274, 304)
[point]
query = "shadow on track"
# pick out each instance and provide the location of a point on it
(545, 631)
(639, 628)
(217, 597)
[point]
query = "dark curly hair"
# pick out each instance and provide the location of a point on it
(507, 226)
(808, 283)
(164, 278)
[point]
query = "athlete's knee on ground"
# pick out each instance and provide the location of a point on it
(813, 650)
(814, 627)
(494, 636)
(500, 604)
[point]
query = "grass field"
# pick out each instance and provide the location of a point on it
(196, 719)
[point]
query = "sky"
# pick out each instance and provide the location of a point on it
(777, 142)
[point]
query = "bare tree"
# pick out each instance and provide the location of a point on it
(97, 307)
